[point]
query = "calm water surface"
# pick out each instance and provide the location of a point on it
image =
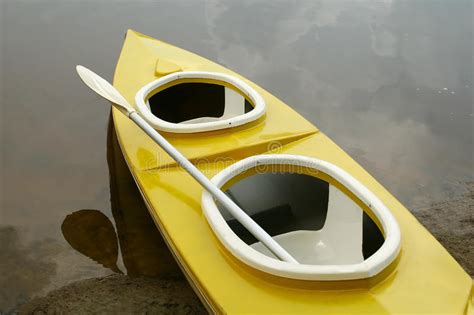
(389, 81)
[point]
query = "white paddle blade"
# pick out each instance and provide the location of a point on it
(104, 89)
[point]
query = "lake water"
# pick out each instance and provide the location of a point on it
(389, 81)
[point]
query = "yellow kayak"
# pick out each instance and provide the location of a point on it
(360, 252)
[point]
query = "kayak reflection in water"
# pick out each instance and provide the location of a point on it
(91, 232)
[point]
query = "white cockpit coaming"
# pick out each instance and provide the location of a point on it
(236, 111)
(333, 252)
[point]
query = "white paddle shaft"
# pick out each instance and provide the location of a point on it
(239, 214)
(107, 91)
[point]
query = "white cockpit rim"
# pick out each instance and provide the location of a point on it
(233, 115)
(253, 256)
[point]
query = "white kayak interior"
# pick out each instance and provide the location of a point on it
(331, 252)
(234, 111)
(338, 242)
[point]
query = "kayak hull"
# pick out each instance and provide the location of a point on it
(424, 278)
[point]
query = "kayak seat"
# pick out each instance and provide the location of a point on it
(338, 242)
(279, 203)
(234, 105)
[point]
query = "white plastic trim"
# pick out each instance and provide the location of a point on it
(160, 124)
(368, 268)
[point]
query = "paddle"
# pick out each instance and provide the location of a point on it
(107, 91)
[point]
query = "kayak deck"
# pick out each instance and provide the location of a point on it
(424, 278)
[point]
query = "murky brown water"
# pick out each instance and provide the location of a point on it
(389, 81)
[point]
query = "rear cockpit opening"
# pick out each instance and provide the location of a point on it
(329, 224)
(311, 218)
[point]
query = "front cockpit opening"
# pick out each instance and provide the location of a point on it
(198, 101)
(192, 102)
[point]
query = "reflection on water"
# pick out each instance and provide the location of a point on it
(144, 251)
(90, 232)
(389, 81)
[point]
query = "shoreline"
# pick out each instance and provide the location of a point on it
(451, 223)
